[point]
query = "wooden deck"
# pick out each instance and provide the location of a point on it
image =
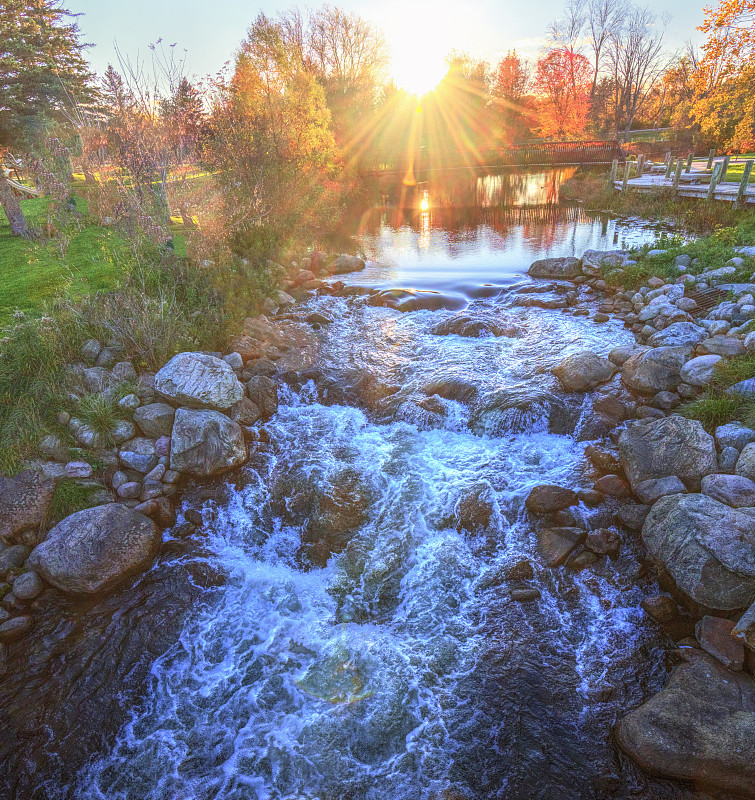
(695, 183)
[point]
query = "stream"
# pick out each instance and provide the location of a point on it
(251, 664)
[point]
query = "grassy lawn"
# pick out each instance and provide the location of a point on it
(34, 273)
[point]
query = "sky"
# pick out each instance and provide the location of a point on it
(419, 33)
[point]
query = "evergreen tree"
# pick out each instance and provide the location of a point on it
(42, 68)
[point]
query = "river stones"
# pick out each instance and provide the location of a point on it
(155, 419)
(707, 547)
(205, 443)
(465, 325)
(139, 454)
(700, 371)
(556, 544)
(547, 498)
(93, 550)
(700, 727)
(720, 345)
(667, 447)
(197, 380)
(262, 391)
(733, 490)
(655, 370)
(734, 434)
(568, 267)
(583, 371)
(24, 500)
(346, 263)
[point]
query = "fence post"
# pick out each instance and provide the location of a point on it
(711, 156)
(745, 181)
(640, 164)
(689, 162)
(678, 174)
(714, 179)
(725, 168)
(669, 167)
(667, 159)
(627, 168)
(614, 168)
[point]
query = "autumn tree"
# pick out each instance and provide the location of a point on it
(42, 69)
(725, 79)
(562, 87)
(510, 86)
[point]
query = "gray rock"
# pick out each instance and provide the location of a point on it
(715, 637)
(94, 550)
(234, 361)
(700, 371)
(746, 462)
(728, 346)
(594, 260)
(678, 334)
(744, 630)
(155, 419)
(653, 489)
(734, 434)
(746, 388)
(131, 490)
(620, 355)
(733, 490)
(205, 443)
(123, 430)
(129, 402)
(90, 350)
(78, 469)
(54, 447)
(119, 478)
(139, 454)
(96, 379)
(15, 628)
(263, 393)
(27, 586)
(24, 500)
(556, 544)
(197, 380)
(698, 728)
(583, 371)
(85, 434)
(124, 371)
(656, 370)
(568, 267)
(749, 342)
(12, 557)
(717, 276)
(727, 459)
(707, 547)
(672, 446)
(245, 412)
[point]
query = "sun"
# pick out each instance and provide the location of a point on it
(418, 72)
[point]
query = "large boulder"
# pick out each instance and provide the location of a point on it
(672, 446)
(346, 263)
(24, 500)
(197, 380)
(568, 267)
(583, 371)
(594, 261)
(656, 370)
(700, 727)
(678, 334)
(93, 550)
(205, 443)
(707, 547)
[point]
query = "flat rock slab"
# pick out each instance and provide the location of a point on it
(197, 380)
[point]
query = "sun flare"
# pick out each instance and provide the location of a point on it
(418, 73)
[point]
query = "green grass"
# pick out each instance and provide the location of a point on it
(70, 497)
(715, 407)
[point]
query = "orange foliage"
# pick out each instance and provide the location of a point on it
(562, 83)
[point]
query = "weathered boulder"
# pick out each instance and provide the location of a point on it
(262, 391)
(678, 334)
(93, 550)
(733, 490)
(155, 419)
(707, 547)
(672, 446)
(655, 370)
(700, 371)
(205, 443)
(583, 371)
(594, 260)
(568, 267)
(700, 727)
(197, 380)
(24, 500)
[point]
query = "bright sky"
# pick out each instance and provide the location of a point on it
(419, 32)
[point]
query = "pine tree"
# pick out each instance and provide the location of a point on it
(42, 69)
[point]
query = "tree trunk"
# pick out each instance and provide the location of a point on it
(12, 207)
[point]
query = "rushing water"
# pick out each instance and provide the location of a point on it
(400, 667)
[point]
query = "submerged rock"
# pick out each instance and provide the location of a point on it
(700, 727)
(93, 550)
(547, 498)
(707, 547)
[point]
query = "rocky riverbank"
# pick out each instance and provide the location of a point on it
(192, 420)
(688, 494)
